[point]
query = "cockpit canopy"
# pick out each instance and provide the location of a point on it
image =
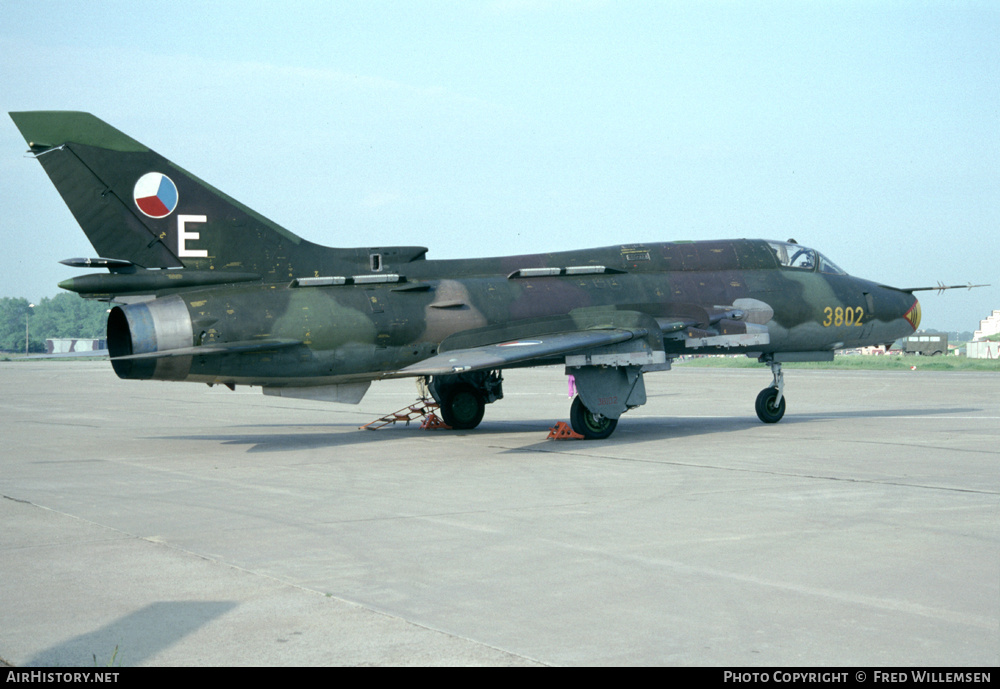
(798, 257)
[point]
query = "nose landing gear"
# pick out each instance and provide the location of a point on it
(771, 400)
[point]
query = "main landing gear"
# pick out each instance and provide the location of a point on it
(604, 393)
(462, 406)
(771, 400)
(463, 397)
(590, 425)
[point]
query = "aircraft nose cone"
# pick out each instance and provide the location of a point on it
(913, 315)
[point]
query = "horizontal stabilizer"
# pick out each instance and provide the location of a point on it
(214, 349)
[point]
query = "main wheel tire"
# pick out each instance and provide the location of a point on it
(463, 407)
(588, 424)
(767, 410)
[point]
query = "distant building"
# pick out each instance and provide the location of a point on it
(875, 350)
(64, 345)
(983, 350)
(988, 326)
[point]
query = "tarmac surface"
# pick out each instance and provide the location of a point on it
(150, 523)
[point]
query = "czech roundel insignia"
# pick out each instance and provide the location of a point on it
(155, 195)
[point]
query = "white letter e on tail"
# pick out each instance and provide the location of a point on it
(183, 236)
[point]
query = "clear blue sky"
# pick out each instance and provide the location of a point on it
(868, 130)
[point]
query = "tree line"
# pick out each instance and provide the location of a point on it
(64, 315)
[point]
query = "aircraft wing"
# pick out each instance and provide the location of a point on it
(518, 351)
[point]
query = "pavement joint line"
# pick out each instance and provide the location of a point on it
(758, 471)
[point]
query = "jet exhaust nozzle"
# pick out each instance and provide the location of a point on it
(150, 328)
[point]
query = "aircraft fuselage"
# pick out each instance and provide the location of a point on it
(361, 330)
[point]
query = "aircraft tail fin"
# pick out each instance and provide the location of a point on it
(135, 205)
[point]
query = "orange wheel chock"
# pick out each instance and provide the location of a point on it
(563, 431)
(434, 423)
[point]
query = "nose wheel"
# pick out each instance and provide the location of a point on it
(771, 401)
(770, 408)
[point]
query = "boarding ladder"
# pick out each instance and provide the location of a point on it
(425, 408)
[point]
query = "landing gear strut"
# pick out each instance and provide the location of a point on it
(771, 401)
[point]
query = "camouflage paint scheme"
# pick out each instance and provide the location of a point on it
(210, 291)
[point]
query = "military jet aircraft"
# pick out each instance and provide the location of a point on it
(208, 290)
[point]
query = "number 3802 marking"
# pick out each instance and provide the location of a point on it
(840, 316)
